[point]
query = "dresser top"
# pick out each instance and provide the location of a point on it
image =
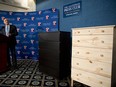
(95, 27)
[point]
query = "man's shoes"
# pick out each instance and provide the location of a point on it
(14, 68)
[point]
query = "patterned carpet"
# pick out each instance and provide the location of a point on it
(28, 75)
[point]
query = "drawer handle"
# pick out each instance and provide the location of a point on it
(101, 68)
(87, 52)
(90, 61)
(103, 31)
(79, 74)
(102, 55)
(77, 52)
(101, 82)
(77, 63)
(102, 41)
(78, 40)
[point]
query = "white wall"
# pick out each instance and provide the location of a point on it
(31, 5)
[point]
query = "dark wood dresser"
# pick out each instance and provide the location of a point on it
(55, 53)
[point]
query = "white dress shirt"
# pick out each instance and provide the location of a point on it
(7, 29)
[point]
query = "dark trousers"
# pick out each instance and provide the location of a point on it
(12, 61)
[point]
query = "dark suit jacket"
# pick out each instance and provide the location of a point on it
(13, 33)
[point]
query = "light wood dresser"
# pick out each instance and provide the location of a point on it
(94, 56)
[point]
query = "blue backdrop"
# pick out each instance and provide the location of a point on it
(29, 24)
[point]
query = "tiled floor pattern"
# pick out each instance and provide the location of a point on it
(28, 75)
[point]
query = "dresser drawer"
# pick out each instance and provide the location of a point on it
(50, 63)
(92, 31)
(97, 41)
(100, 55)
(90, 79)
(50, 71)
(100, 68)
(49, 36)
(49, 45)
(47, 53)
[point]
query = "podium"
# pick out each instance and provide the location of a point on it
(3, 53)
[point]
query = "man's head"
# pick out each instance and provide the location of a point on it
(5, 20)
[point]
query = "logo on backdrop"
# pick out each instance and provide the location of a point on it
(32, 41)
(53, 10)
(32, 18)
(18, 29)
(32, 29)
(47, 29)
(47, 17)
(54, 22)
(18, 52)
(32, 52)
(39, 12)
(10, 13)
(18, 18)
(26, 57)
(25, 47)
(25, 24)
(39, 23)
(24, 35)
(2, 18)
(25, 13)
(17, 41)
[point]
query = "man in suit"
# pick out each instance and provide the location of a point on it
(11, 32)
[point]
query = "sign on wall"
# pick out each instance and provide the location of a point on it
(72, 9)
